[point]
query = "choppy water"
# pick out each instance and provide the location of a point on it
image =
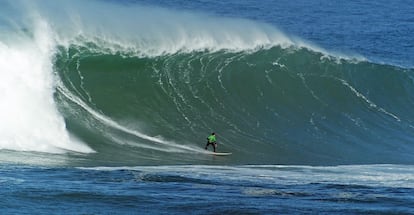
(374, 189)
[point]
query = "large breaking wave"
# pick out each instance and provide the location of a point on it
(140, 85)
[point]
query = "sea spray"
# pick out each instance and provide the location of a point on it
(29, 118)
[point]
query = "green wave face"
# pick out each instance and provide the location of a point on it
(277, 105)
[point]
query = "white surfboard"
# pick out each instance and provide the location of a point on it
(220, 153)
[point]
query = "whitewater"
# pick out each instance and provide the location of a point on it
(105, 107)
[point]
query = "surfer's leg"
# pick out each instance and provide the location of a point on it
(214, 146)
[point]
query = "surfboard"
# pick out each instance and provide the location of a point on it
(220, 153)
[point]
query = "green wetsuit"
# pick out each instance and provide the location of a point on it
(211, 140)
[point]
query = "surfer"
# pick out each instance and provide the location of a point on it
(211, 140)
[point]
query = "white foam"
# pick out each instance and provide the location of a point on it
(29, 118)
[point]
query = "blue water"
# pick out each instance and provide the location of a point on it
(375, 189)
(105, 106)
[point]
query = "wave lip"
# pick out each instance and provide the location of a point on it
(145, 30)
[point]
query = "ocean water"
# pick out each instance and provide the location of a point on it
(105, 107)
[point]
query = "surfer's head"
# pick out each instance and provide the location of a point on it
(213, 133)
